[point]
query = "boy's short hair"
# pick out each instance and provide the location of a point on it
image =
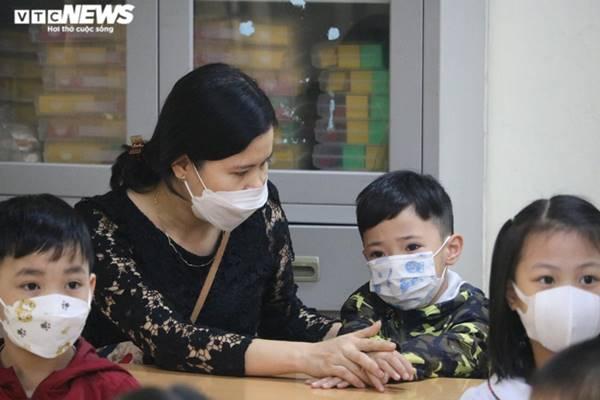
(42, 223)
(390, 194)
(572, 374)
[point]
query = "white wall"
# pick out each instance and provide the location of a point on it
(459, 112)
(543, 98)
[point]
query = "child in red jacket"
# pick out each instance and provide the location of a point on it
(45, 293)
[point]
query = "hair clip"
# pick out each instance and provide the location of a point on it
(137, 144)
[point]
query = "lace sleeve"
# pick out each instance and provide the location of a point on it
(142, 314)
(284, 316)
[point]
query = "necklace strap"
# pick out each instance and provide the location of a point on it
(182, 259)
(210, 278)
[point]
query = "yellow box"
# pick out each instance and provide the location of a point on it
(361, 81)
(69, 103)
(265, 33)
(84, 78)
(357, 132)
(277, 35)
(263, 58)
(78, 151)
(336, 82)
(291, 156)
(74, 55)
(357, 107)
(376, 158)
(327, 57)
(348, 56)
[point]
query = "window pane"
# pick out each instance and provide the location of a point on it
(325, 67)
(62, 89)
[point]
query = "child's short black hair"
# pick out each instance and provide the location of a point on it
(390, 194)
(42, 223)
(572, 374)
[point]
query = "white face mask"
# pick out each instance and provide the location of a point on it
(227, 210)
(46, 326)
(560, 317)
(406, 281)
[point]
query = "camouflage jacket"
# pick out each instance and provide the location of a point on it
(446, 339)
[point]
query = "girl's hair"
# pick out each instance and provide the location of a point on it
(213, 112)
(509, 347)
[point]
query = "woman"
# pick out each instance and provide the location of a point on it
(157, 233)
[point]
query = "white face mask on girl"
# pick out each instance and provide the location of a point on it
(560, 317)
(46, 326)
(406, 281)
(227, 210)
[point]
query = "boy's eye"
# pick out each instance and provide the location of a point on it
(589, 279)
(546, 280)
(376, 254)
(30, 286)
(73, 285)
(413, 247)
(240, 173)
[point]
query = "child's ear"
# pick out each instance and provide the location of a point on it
(454, 249)
(511, 297)
(92, 283)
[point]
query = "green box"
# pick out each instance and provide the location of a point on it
(378, 132)
(371, 56)
(353, 157)
(380, 107)
(381, 82)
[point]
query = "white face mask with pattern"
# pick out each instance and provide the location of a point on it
(407, 281)
(46, 326)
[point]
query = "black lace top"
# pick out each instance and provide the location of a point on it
(145, 293)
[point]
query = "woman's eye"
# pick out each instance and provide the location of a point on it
(589, 279)
(375, 254)
(241, 173)
(546, 280)
(73, 285)
(31, 286)
(413, 247)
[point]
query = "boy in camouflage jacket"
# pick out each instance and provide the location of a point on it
(438, 321)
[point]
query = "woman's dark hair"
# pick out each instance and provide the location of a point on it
(391, 193)
(42, 223)
(509, 347)
(572, 374)
(213, 112)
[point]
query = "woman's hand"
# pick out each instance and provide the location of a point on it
(393, 364)
(344, 357)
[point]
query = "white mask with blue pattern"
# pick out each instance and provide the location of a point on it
(406, 281)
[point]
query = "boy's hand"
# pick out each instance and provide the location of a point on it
(393, 364)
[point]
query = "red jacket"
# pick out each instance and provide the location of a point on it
(87, 377)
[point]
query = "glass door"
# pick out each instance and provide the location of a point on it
(344, 78)
(325, 68)
(72, 83)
